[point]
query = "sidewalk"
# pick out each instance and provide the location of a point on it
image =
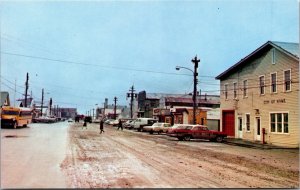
(251, 144)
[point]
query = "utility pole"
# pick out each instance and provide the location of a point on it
(195, 61)
(26, 89)
(50, 106)
(42, 102)
(93, 113)
(131, 95)
(115, 108)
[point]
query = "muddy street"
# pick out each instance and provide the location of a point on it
(130, 159)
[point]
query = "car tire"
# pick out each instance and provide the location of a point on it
(180, 138)
(187, 138)
(151, 132)
(219, 139)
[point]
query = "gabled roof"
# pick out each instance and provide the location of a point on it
(291, 49)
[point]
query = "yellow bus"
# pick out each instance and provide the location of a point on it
(15, 116)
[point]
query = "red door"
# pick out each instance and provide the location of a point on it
(228, 122)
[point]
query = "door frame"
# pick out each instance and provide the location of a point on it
(240, 132)
(257, 137)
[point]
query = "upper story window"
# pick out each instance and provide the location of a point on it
(287, 80)
(226, 91)
(235, 90)
(273, 56)
(245, 88)
(273, 83)
(262, 85)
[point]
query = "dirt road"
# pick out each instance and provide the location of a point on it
(31, 157)
(128, 159)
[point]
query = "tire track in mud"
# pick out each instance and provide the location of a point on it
(165, 163)
(182, 174)
(249, 170)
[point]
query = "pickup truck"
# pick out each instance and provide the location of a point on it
(187, 132)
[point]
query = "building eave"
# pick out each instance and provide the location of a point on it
(252, 55)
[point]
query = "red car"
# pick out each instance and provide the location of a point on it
(187, 132)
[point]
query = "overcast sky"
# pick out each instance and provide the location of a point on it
(83, 52)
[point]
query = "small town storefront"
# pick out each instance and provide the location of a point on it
(180, 115)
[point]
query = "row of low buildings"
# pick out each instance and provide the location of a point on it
(259, 98)
(36, 107)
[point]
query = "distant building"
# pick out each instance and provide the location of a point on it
(64, 112)
(261, 93)
(108, 112)
(29, 102)
(5, 101)
(175, 108)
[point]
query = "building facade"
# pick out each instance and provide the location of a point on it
(260, 96)
(5, 101)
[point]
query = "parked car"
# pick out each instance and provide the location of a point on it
(44, 119)
(70, 120)
(127, 123)
(130, 125)
(157, 128)
(187, 132)
(141, 122)
(107, 121)
(113, 122)
(88, 119)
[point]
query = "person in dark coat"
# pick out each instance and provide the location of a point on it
(101, 126)
(84, 125)
(120, 124)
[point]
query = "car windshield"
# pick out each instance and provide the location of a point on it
(10, 112)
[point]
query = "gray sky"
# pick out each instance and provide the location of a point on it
(83, 52)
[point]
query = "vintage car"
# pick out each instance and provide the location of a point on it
(140, 123)
(157, 128)
(187, 132)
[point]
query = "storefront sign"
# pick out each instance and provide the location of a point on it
(275, 101)
(156, 111)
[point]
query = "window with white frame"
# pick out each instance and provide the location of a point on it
(235, 90)
(248, 122)
(279, 122)
(287, 80)
(245, 89)
(273, 82)
(262, 85)
(226, 91)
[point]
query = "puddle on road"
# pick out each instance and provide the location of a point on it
(14, 136)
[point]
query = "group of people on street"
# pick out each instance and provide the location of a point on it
(120, 126)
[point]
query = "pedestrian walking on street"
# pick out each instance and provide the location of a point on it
(120, 125)
(84, 125)
(101, 126)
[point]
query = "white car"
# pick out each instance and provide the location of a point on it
(113, 122)
(157, 128)
(140, 123)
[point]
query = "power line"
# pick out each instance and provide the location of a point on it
(11, 82)
(89, 64)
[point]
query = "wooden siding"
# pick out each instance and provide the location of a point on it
(267, 103)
